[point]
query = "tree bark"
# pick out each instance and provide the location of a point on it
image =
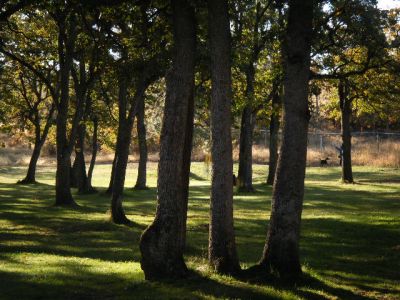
(141, 129)
(245, 174)
(345, 108)
(162, 243)
(95, 147)
(222, 247)
(110, 185)
(281, 251)
(30, 177)
(63, 187)
(79, 166)
(40, 139)
(121, 153)
(274, 137)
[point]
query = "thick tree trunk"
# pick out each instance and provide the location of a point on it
(95, 147)
(281, 251)
(187, 156)
(141, 129)
(274, 137)
(63, 187)
(222, 246)
(345, 107)
(162, 243)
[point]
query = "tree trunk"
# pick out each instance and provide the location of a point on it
(110, 185)
(79, 167)
(122, 155)
(63, 188)
(141, 129)
(162, 243)
(281, 251)
(222, 246)
(245, 174)
(274, 137)
(95, 147)
(345, 107)
(187, 156)
(30, 177)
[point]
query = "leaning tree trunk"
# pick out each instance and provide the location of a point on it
(122, 154)
(124, 137)
(162, 243)
(281, 251)
(30, 177)
(222, 247)
(345, 107)
(95, 147)
(141, 129)
(274, 137)
(40, 138)
(245, 174)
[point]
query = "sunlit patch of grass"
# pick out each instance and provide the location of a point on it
(350, 245)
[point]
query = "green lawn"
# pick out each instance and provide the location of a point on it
(350, 246)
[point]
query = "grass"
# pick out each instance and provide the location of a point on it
(350, 245)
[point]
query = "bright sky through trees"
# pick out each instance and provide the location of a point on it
(388, 4)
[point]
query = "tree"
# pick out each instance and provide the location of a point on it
(222, 247)
(281, 251)
(252, 33)
(25, 97)
(274, 125)
(138, 61)
(350, 41)
(35, 114)
(84, 73)
(141, 131)
(163, 242)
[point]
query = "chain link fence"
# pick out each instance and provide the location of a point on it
(368, 148)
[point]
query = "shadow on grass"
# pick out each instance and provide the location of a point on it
(355, 246)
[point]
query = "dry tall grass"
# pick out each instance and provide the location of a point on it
(365, 152)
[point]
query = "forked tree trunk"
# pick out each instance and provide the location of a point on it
(274, 137)
(141, 129)
(162, 243)
(245, 174)
(281, 251)
(345, 108)
(95, 147)
(222, 247)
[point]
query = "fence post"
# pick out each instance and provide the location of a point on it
(321, 143)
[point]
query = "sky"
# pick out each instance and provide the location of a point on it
(387, 4)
